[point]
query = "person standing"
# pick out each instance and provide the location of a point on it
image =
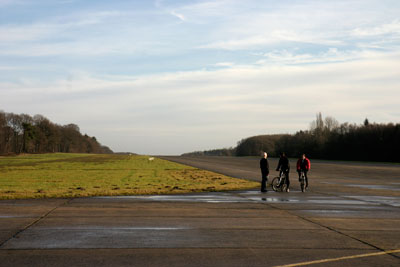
(303, 164)
(264, 166)
(284, 166)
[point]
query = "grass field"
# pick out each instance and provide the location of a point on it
(79, 175)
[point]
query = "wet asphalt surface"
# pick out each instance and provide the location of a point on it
(351, 209)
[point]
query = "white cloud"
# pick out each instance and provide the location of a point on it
(179, 16)
(53, 28)
(10, 68)
(214, 108)
(198, 12)
(271, 66)
(15, 33)
(4, 3)
(388, 28)
(298, 24)
(90, 47)
(272, 38)
(330, 55)
(224, 64)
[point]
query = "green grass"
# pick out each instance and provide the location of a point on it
(81, 175)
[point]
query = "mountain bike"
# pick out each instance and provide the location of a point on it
(279, 182)
(302, 181)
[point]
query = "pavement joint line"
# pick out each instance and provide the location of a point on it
(330, 228)
(339, 232)
(352, 198)
(34, 222)
(387, 252)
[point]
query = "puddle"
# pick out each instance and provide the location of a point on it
(392, 201)
(249, 192)
(319, 200)
(337, 202)
(212, 198)
(340, 213)
(368, 186)
(376, 187)
(328, 211)
(273, 199)
(116, 228)
(254, 196)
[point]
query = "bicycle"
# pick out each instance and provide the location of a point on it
(302, 180)
(279, 182)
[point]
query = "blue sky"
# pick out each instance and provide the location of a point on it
(167, 77)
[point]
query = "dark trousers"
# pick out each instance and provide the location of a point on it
(305, 176)
(264, 180)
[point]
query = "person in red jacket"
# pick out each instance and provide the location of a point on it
(303, 164)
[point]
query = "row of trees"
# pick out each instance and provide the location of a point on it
(327, 139)
(214, 152)
(25, 134)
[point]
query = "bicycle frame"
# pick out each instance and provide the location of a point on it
(279, 183)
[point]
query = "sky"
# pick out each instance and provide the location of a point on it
(168, 77)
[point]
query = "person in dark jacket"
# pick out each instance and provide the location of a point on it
(303, 164)
(264, 166)
(284, 166)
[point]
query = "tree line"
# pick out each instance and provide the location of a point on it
(326, 139)
(21, 133)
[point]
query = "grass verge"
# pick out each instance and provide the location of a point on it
(82, 175)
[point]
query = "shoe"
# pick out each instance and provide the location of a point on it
(264, 191)
(287, 190)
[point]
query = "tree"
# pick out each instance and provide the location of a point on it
(5, 133)
(22, 133)
(327, 139)
(331, 124)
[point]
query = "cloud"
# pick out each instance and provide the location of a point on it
(15, 33)
(224, 64)
(388, 28)
(275, 37)
(4, 3)
(196, 12)
(76, 34)
(201, 74)
(330, 55)
(297, 25)
(11, 68)
(75, 48)
(214, 107)
(179, 16)
(53, 28)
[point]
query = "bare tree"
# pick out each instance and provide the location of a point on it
(331, 124)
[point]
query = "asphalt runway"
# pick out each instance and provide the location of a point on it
(349, 217)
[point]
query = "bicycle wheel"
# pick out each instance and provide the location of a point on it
(275, 184)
